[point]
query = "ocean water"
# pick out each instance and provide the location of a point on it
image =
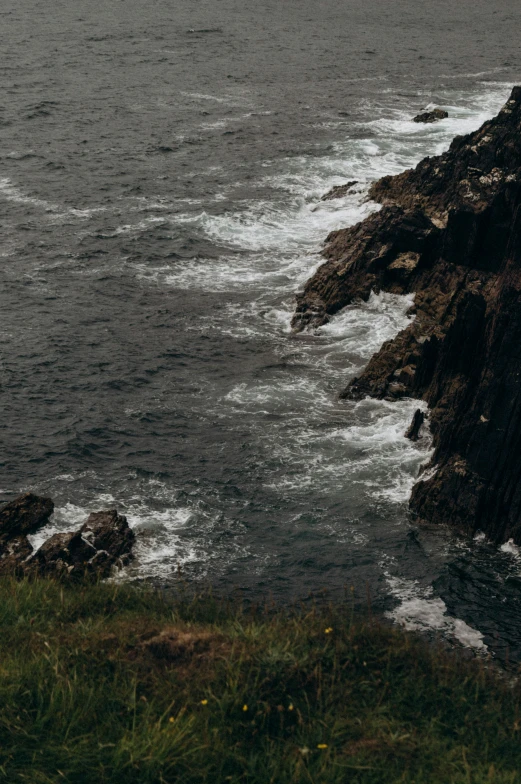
(161, 168)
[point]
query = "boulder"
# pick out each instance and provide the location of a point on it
(109, 531)
(104, 540)
(431, 117)
(25, 514)
(62, 554)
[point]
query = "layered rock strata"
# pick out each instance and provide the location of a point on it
(449, 231)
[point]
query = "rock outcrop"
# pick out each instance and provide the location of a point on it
(449, 231)
(25, 514)
(103, 541)
(339, 191)
(413, 432)
(431, 117)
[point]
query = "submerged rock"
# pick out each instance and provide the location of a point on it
(431, 117)
(449, 231)
(339, 191)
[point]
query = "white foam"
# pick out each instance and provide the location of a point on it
(256, 272)
(476, 75)
(292, 393)
(510, 548)
(365, 326)
(14, 194)
(135, 228)
(67, 518)
(420, 610)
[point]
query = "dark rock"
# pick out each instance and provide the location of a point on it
(104, 540)
(109, 531)
(431, 117)
(413, 433)
(25, 514)
(449, 231)
(62, 554)
(339, 191)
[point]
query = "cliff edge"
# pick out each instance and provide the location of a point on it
(449, 231)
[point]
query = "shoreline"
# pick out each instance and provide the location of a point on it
(448, 232)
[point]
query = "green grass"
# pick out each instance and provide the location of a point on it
(83, 699)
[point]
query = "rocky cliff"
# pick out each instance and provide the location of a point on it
(449, 231)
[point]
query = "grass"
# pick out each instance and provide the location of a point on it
(90, 693)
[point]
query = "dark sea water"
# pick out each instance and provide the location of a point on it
(161, 167)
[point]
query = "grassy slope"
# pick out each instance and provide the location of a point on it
(271, 698)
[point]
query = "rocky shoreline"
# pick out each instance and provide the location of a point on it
(449, 231)
(102, 543)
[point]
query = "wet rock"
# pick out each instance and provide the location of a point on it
(62, 554)
(413, 432)
(25, 514)
(449, 231)
(109, 531)
(104, 540)
(339, 191)
(431, 117)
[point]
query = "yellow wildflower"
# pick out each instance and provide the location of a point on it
(328, 630)
(204, 702)
(171, 719)
(322, 746)
(290, 706)
(245, 708)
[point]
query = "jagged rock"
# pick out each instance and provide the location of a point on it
(109, 531)
(62, 554)
(413, 432)
(449, 231)
(103, 541)
(339, 191)
(431, 117)
(25, 514)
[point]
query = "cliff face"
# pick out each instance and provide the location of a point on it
(450, 231)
